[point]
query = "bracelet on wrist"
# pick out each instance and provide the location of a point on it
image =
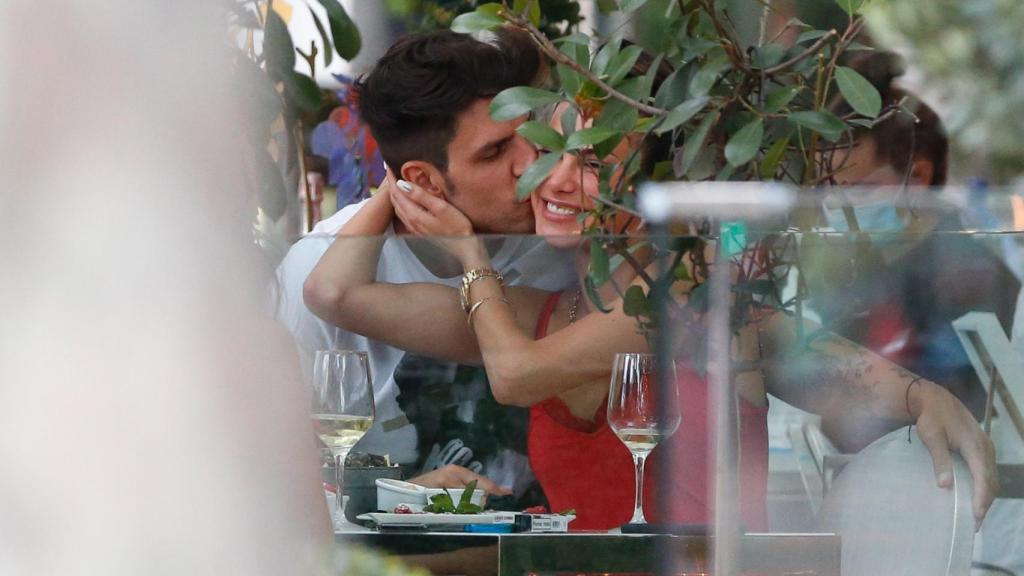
(906, 395)
(472, 276)
(475, 306)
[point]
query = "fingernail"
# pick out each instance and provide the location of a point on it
(405, 186)
(944, 479)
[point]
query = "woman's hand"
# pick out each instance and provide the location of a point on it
(427, 215)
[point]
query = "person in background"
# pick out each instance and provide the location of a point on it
(922, 278)
(426, 102)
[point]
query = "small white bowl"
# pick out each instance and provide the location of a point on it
(477, 498)
(391, 493)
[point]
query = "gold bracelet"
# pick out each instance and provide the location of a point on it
(472, 309)
(472, 276)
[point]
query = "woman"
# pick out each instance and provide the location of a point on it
(526, 338)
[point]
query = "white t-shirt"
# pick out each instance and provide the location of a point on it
(521, 259)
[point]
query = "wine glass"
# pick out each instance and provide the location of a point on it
(342, 403)
(641, 413)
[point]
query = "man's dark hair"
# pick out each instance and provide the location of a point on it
(412, 96)
(914, 133)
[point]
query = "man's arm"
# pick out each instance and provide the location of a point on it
(839, 379)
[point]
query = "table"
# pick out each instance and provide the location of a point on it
(522, 554)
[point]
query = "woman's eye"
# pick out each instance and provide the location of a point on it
(593, 164)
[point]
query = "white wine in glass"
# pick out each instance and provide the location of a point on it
(641, 413)
(342, 407)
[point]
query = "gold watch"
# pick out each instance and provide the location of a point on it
(472, 276)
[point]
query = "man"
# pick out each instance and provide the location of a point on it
(902, 304)
(427, 104)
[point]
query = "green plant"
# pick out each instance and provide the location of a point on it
(273, 141)
(730, 110)
(419, 15)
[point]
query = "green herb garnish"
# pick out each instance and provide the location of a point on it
(444, 504)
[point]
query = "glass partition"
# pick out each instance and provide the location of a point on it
(825, 383)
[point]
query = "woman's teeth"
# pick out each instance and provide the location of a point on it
(560, 209)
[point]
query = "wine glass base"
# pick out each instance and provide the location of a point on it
(665, 528)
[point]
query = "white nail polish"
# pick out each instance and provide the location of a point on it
(405, 186)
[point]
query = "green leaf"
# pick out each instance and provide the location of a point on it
(599, 264)
(778, 99)
(851, 6)
(534, 16)
(810, 35)
(440, 503)
(634, 302)
(695, 142)
(472, 22)
(568, 121)
(328, 45)
(278, 49)
(618, 115)
(347, 40)
(773, 157)
(707, 76)
(674, 89)
(512, 103)
(682, 113)
(623, 62)
(589, 137)
(767, 56)
(592, 294)
(605, 56)
(628, 6)
(571, 80)
(648, 80)
(858, 92)
(574, 38)
(467, 508)
(303, 91)
(745, 143)
(822, 122)
(542, 134)
(467, 493)
(607, 6)
(535, 174)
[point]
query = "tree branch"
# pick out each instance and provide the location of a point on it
(814, 48)
(555, 54)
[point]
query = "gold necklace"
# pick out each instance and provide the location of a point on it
(574, 307)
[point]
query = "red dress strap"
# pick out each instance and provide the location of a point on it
(545, 315)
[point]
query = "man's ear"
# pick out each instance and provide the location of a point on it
(922, 172)
(426, 176)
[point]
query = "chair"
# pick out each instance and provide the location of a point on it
(891, 516)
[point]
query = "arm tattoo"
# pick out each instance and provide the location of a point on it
(827, 371)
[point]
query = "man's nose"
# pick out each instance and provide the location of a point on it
(525, 155)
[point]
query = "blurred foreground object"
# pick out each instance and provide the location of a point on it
(152, 418)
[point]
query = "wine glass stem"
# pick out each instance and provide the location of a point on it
(339, 480)
(638, 510)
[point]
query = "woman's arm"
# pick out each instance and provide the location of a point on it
(523, 371)
(422, 318)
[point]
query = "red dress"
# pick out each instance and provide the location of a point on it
(582, 465)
